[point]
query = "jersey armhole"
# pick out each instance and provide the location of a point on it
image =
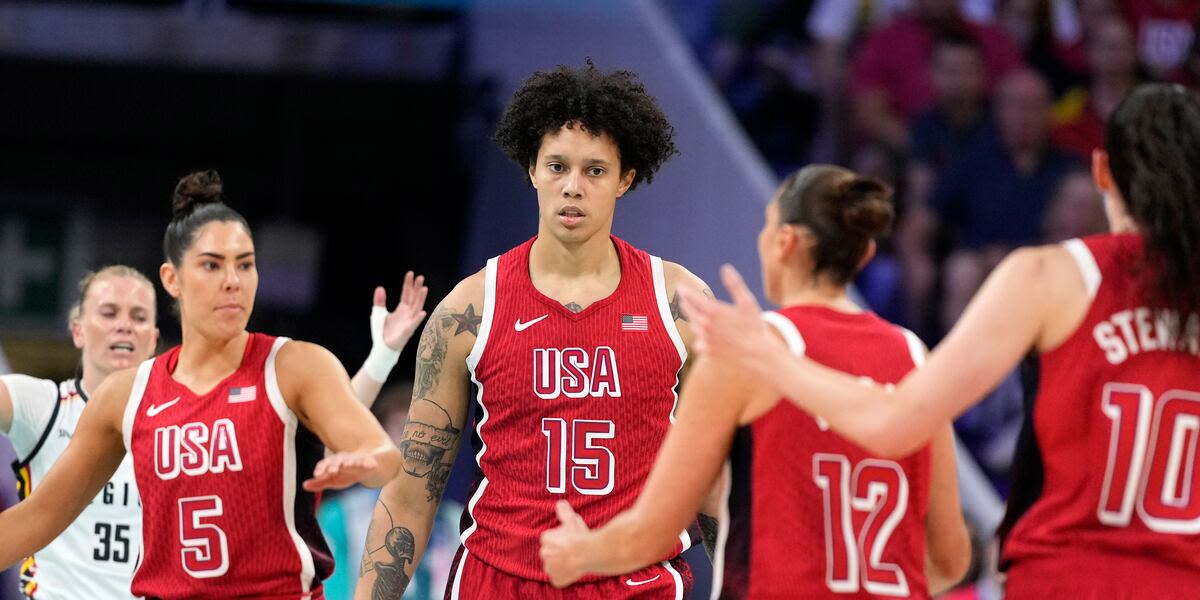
(916, 348)
(786, 328)
(136, 393)
(489, 309)
(664, 307)
(21, 463)
(1086, 261)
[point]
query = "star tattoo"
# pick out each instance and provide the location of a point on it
(468, 321)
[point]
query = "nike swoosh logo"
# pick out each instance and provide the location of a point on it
(154, 409)
(519, 326)
(631, 583)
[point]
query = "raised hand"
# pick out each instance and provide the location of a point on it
(341, 470)
(561, 546)
(401, 322)
(733, 332)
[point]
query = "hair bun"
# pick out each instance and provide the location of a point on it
(866, 207)
(194, 189)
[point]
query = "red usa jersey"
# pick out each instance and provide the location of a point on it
(1117, 421)
(224, 513)
(810, 514)
(571, 406)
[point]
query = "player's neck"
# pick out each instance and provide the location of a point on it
(809, 291)
(594, 257)
(204, 361)
(91, 380)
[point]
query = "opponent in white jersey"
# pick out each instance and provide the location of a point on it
(113, 324)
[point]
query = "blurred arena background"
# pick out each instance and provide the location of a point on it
(354, 136)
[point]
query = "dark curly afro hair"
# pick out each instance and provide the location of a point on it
(614, 103)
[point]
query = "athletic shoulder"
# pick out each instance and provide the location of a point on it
(469, 291)
(1043, 265)
(676, 277)
(112, 394)
(20, 387)
(298, 357)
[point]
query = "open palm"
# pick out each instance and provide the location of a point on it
(401, 322)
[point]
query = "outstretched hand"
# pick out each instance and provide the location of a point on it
(561, 546)
(731, 332)
(341, 470)
(401, 322)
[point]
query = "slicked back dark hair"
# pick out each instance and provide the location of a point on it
(613, 103)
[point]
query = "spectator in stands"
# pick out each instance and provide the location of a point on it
(1030, 24)
(1164, 32)
(992, 198)
(1077, 209)
(957, 71)
(1082, 113)
(887, 92)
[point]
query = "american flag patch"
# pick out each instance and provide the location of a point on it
(243, 394)
(635, 323)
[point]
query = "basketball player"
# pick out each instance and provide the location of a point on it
(575, 344)
(112, 323)
(810, 514)
(218, 471)
(1110, 507)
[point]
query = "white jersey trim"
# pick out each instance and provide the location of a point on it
(676, 577)
(136, 394)
(290, 424)
(132, 406)
(489, 308)
(485, 328)
(718, 563)
(915, 347)
(458, 571)
(664, 312)
(1087, 265)
(786, 328)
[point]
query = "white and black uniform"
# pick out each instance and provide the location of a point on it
(95, 556)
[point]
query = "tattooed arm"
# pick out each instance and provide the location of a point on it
(676, 276)
(408, 504)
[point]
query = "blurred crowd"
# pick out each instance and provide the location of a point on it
(981, 114)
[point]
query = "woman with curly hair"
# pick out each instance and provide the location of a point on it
(576, 345)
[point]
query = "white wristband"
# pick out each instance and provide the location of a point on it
(380, 361)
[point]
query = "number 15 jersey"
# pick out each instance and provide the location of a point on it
(571, 405)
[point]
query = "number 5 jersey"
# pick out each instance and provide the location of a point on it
(220, 474)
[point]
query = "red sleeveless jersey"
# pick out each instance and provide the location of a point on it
(809, 513)
(571, 406)
(1117, 421)
(223, 511)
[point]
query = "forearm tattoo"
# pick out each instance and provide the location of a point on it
(391, 578)
(428, 448)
